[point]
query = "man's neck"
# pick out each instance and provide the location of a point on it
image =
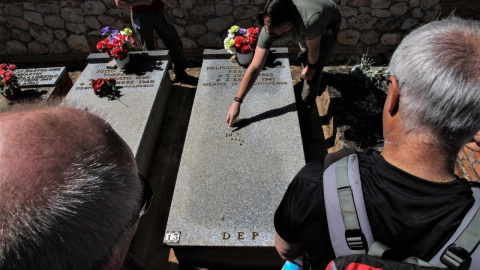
(420, 159)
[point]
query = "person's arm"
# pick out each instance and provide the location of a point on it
(253, 70)
(132, 3)
(313, 55)
(288, 251)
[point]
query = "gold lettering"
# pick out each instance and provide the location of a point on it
(240, 236)
(225, 235)
(254, 235)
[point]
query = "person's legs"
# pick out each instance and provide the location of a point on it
(143, 26)
(172, 41)
(327, 43)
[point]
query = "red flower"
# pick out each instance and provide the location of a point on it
(239, 42)
(7, 80)
(12, 67)
(97, 85)
(101, 46)
(253, 31)
(119, 53)
(3, 66)
(109, 46)
(246, 50)
(253, 42)
(2, 72)
(9, 74)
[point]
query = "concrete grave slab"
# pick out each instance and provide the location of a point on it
(145, 87)
(231, 181)
(40, 84)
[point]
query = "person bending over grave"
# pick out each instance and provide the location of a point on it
(70, 193)
(149, 16)
(414, 201)
(312, 23)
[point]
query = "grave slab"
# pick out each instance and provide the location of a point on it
(230, 182)
(40, 84)
(145, 87)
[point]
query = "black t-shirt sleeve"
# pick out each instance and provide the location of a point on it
(300, 218)
(298, 199)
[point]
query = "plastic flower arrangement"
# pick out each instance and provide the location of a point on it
(241, 40)
(106, 88)
(117, 44)
(8, 79)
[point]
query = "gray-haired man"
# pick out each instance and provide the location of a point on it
(414, 201)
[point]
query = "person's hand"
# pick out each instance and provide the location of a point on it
(307, 74)
(233, 113)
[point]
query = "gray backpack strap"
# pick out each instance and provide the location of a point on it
(347, 218)
(462, 246)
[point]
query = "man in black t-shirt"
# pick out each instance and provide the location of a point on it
(413, 199)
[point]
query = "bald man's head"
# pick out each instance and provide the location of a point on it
(39, 145)
(68, 186)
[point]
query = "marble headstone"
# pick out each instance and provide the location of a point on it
(144, 86)
(39, 84)
(230, 181)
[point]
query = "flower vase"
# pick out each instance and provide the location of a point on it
(244, 59)
(13, 92)
(122, 63)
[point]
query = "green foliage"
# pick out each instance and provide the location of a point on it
(370, 75)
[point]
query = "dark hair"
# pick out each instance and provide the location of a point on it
(279, 11)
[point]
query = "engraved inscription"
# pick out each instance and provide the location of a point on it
(122, 80)
(239, 236)
(232, 76)
(38, 76)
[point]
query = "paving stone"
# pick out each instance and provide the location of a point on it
(145, 88)
(231, 181)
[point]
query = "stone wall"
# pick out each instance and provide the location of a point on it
(68, 30)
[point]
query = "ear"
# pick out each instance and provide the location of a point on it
(393, 97)
(266, 19)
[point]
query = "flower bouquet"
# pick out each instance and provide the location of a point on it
(117, 44)
(106, 88)
(240, 40)
(9, 82)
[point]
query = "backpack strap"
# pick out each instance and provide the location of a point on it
(345, 206)
(461, 250)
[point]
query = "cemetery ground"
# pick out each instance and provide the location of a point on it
(318, 135)
(347, 113)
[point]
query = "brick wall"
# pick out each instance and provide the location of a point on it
(68, 30)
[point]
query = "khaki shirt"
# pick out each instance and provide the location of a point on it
(313, 20)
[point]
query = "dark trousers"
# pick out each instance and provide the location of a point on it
(327, 43)
(145, 23)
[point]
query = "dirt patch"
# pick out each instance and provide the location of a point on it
(355, 109)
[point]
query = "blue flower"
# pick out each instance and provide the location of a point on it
(105, 30)
(114, 32)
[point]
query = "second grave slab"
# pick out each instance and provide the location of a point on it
(231, 181)
(145, 87)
